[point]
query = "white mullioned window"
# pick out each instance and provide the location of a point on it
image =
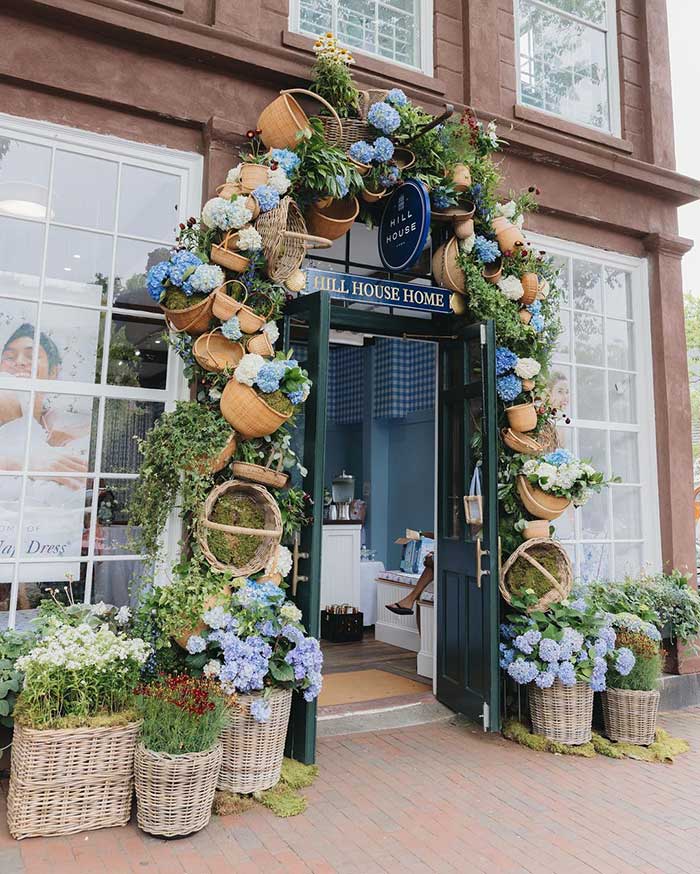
(84, 366)
(400, 31)
(567, 60)
(601, 379)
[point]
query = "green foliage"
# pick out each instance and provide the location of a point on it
(13, 645)
(332, 80)
(235, 509)
(176, 299)
(295, 507)
(321, 165)
(644, 676)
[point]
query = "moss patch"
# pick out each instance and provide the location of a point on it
(296, 775)
(100, 720)
(231, 804)
(176, 299)
(523, 575)
(279, 402)
(235, 509)
(283, 799)
(516, 731)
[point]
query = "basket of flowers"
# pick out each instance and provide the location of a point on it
(259, 650)
(75, 731)
(540, 565)
(549, 484)
(178, 757)
(236, 249)
(239, 528)
(182, 286)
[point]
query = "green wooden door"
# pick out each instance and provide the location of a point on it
(467, 561)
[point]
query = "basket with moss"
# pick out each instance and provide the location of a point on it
(541, 566)
(191, 314)
(240, 528)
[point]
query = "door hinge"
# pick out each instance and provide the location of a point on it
(482, 330)
(486, 722)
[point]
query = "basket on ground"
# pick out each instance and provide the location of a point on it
(540, 564)
(174, 794)
(70, 780)
(285, 239)
(247, 412)
(539, 503)
(630, 715)
(562, 713)
(253, 751)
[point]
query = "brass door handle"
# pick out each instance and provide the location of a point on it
(479, 554)
(296, 555)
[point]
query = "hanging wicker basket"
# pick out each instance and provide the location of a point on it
(276, 478)
(225, 299)
(539, 503)
(350, 130)
(217, 353)
(253, 751)
(283, 122)
(196, 629)
(268, 536)
(522, 417)
(403, 158)
(219, 462)
(446, 270)
(553, 575)
(226, 254)
(334, 221)
(521, 443)
(630, 715)
(70, 780)
(285, 240)
(260, 345)
(252, 176)
(247, 413)
(192, 320)
(493, 272)
(562, 713)
(174, 794)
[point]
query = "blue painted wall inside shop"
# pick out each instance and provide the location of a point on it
(344, 452)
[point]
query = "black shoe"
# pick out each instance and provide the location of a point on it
(400, 611)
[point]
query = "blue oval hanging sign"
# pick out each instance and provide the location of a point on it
(405, 226)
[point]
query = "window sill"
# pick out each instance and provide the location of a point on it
(373, 65)
(173, 5)
(535, 116)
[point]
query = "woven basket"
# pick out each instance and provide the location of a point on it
(630, 715)
(253, 751)
(247, 413)
(252, 176)
(225, 254)
(225, 302)
(174, 794)
(522, 417)
(350, 130)
(333, 221)
(193, 320)
(539, 503)
(562, 713)
(70, 780)
(285, 239)
(216, 353)
(263, 474)
(269, 536)
(208, 603)
(219, 462)
(532, 552)
(520, 443)
(446, 270)
(283, 121)
(260, 344)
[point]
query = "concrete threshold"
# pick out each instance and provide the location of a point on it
(381, 717)
(679, 690)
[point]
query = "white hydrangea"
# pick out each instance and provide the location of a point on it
(272, 331)
(527, 368)
(278, 180)
(491, 133)
(239, 212)
(206, 278)
(249, 240)
(123, 615)
(226, 215)
(519, 221)
(511, 287)
(284, 561)
(248, 368)
(290, 612)
(467, 244)
(212, 668)
(507, 210)
(234, 174)
(100, 608)
(214, 394)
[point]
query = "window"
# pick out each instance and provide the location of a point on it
(84, 367)
(395, 30)
(601, 378)
(568, 60)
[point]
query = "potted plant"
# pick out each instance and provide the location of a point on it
(631, 701)
(178, 756)
(331, 77)
(548, 484)
(258, 649)
(75, 731)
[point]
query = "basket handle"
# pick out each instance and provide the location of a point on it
(279, 462)
(272, 306)
(238, 190)
(239, 529)
(320, 99)
(175, 330)
(310, 241)
(229, 282)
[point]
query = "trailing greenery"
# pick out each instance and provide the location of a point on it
(13, 645)
(295, 508)
(235, 509)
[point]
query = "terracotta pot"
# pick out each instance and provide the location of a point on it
(461, 177)
(362, 169)
(528, 384)
(373, 196)
(520, 443)
(525, 316)
(493, 272)
(403, 158)
(252, 175)
(463, 227)
(324, 202)
(507, 234)
(522, 417)
(530, 283)
(536, 529)
(539, 503)
(446, 270)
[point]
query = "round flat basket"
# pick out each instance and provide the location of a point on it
(540, 564)
(333, 221)
(240, 549)
(263, 474)
(216, 353)
(285, 239)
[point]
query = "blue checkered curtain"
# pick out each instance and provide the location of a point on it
(404, 378)
(345, 384)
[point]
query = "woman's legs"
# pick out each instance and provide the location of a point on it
(406, 604)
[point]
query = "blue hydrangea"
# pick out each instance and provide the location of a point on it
(545, 679)
(537, 322)
(507, 654)
(397, 97)
(571, 639)
(231, 329)
(507, 631)
(390, 177)
(384, 117)
(246, 663)
(260, 709)
(181, 263)
(567, 673)
(306, 660)
(342, 185)
(267, 379)
(624, 661)
(287, 160)
(549, 651)
(383, 150)
(486, 250)
(598, 677)
(579, 604)
(205, 279)
(217, 617)
(528, 641)
(440, 199)
(267, 197)
(505, 360)
(361, 152)
(508, 387)
(267, 628)
(607, 633)
(155, 278)
(600, 647)
(535, 308)
(298, 396)
(196, 644)
(558, 457)
(522, 672)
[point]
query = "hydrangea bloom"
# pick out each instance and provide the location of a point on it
(522, 672)
(558, 457)
(212, 668)
(287, 160)
(507, 655)
(278, 180)
(217, 617)
(567, 673)
(537, 322)
(234, 174)
(205, 279)
(527, 368)
(268, 379)
(486, 250)
(384, 117)
(528, 641)
(361, 152)
(440, 200)
(383, 150)
(300, 395)
(507, 210)
(290, 612)
(248, 368)
(511, 287)
(196, 644)
(246, 664)
(155, 278)
(342, 185)
(396, 97)
(467, 245)
(508, 387)
(505, 360)
(579, 604)
(180, 264)
(545, 679)
(307, 661)
(549, 651)
(272, 331)
(123, 615)
(266, 197)
(284, 562)
(260, 709)
(391, 177)
(226, 215)
(535, 308)
(249, 240)
(624, 661)
(231, 329)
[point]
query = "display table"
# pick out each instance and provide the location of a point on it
(369, 571)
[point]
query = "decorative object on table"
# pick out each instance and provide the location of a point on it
(562, 713)
(341, 623)
(215, 352)
(343, 491)
(543, 566)
(283, 122)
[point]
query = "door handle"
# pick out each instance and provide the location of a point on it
(479, 555)
(296, 555)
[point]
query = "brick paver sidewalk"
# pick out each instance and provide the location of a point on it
(432, 798)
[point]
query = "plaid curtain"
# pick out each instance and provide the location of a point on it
(404, 378)
(345, 384)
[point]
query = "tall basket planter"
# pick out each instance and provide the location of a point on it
(630, 715)
(253, 751)
(70, 780)
(174, 794)
(562, 713)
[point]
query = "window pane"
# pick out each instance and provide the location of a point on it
(138, 355)
(590, 394)
(14, 425)
(595, 524)
(563, 350)
(61, 436)
(24, 178)
(78, 265)
(134, 259)
(623, 403)
(118, 582)
(562, 265)
(624, 452)
(17, 332)
(590, 10)
(560, 388)
(620, 343)
(124, 421)
(21, 252)
(113, 534)
(564, 526)
(627, 512)
(36, 578)
(588, 339)
(592, 445)
(148, 203)
(628, 559)
(595, 561)
(56, 519)
(84, 191)
(587, 286)
(71, 341)
(618, 293)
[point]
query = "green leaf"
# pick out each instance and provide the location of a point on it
(282, 672)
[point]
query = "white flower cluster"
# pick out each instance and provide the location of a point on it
(527, 368)
(226, 215)
(511, 287)
(290, 612)
(272, 331)
(560, 478)
(284, 561)
(248, 368)
(73, 648)
(491, 133)
(234, 174)
(249, 240)
(467, 244)
(278, 180)
(509, 210)
(206, 278)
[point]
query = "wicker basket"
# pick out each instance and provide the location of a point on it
(562, 713)
(253, 751)
(219, 462)
(192, 320)
(350, 130)
(522, 417)
(70, 780)
(216, 353)
(252, 176)
(335, 220)
(532, 552)
(208, 603)
(247, 413)
(285, 239)
(446, 270)
(263, 474)
(225, 303)
(539, 503)
(630, 716)
(225, 254)
(260, 345)
(283, 121)
(174, 794)
(269, 536)
(520, 443)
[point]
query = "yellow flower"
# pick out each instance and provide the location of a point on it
(529, 591)
(329, 36)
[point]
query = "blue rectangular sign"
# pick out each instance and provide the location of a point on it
(366, 289)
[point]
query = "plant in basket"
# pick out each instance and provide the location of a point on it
(178, 757)
(324, 171)
(331, 77)
(552, 481)
(182, 285)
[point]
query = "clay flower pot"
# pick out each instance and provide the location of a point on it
(530, 283)
(461, 177)
(493, 272)
(539, 503)
(525, 316)
(463, 227)
(536, 529)
(522, 417)
(507, 234)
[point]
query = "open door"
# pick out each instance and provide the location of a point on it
(467, 560)
(314, 311)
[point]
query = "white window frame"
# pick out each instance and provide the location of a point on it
(189, 167)
(645, 426)
(611, 56)
(422, 36)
